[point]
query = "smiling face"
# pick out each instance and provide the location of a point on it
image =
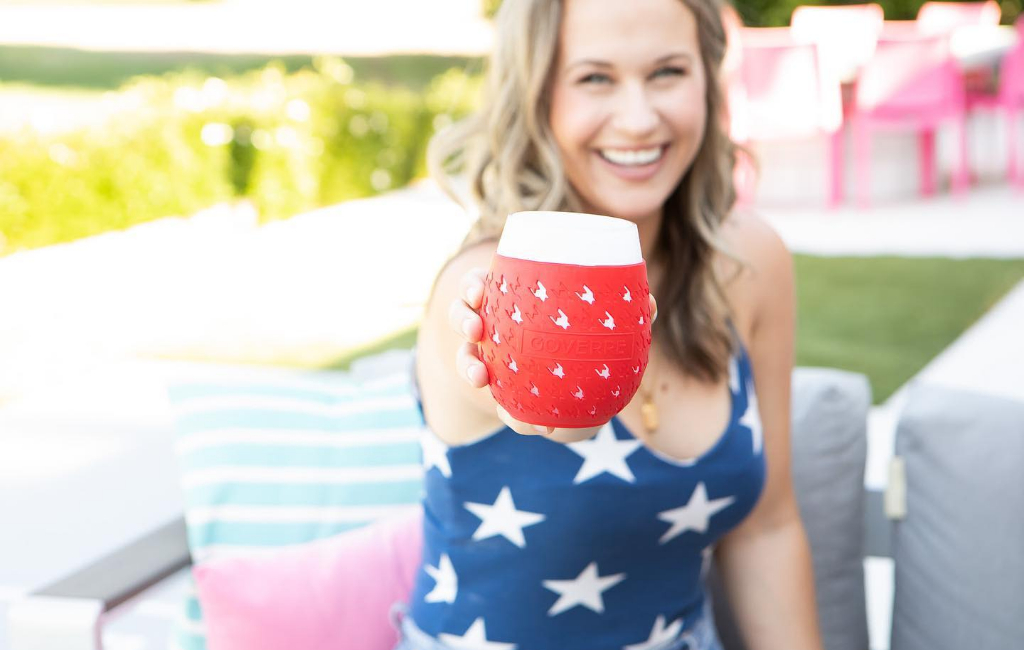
(628, 102)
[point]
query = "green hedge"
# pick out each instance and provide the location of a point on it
(179, 143)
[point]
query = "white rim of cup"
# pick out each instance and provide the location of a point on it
(570, 238)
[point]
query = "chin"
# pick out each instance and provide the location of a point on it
(632, 209)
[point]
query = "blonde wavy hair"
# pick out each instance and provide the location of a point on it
(507, 152)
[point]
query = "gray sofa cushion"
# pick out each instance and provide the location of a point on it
(959, 554)
(829, 448)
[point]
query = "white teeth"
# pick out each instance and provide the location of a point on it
(632, 156)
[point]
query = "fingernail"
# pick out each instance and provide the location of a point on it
(540, 429)
(467, 327)
(469, 373)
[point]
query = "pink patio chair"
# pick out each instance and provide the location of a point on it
(1011, 100)
(910, 83)
(780, 91)
(845, 35)
(944, 17)
(935, 18)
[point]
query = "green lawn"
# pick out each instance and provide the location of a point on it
(886, 317)
(404, 339)
(68, 67)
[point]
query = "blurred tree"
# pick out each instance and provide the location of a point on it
(242, 157)
(1012, 10)
(776, 13)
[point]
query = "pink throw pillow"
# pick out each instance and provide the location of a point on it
(330, 594)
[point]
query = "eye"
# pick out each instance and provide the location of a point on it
(670, 71)
(595, 78)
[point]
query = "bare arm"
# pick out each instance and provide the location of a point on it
(765, 562)
(456, 405)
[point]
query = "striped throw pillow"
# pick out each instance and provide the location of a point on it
(286, 457)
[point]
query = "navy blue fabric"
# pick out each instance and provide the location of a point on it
(636, 530)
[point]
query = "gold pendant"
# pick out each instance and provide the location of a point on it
(649, 414)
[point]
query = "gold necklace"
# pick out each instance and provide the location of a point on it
(648, 409)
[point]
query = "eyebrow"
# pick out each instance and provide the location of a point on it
(605, 64)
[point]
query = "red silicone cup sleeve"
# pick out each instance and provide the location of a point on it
(564, 345)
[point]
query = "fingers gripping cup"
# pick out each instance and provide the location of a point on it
(566, 314)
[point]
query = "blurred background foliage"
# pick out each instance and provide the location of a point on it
(288, 133)
(288, 141)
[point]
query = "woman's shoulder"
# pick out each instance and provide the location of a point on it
(758, 266)
(753, 238)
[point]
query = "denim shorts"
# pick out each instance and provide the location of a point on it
(700, 636)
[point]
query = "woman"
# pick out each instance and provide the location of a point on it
(598, 538)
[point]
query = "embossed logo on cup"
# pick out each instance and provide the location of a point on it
(578, 347)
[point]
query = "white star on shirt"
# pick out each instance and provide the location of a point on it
(752, 419)
(503, 519)
(475, 638)
(585, 590)
(435, 454)
(694, 515)
(660, 635)
(446, 582)
(604, 453)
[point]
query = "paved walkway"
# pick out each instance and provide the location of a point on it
(987, 222)
(218, 286)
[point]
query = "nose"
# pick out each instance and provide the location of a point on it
(635, 115)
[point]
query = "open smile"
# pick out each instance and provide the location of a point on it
(633, 164)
